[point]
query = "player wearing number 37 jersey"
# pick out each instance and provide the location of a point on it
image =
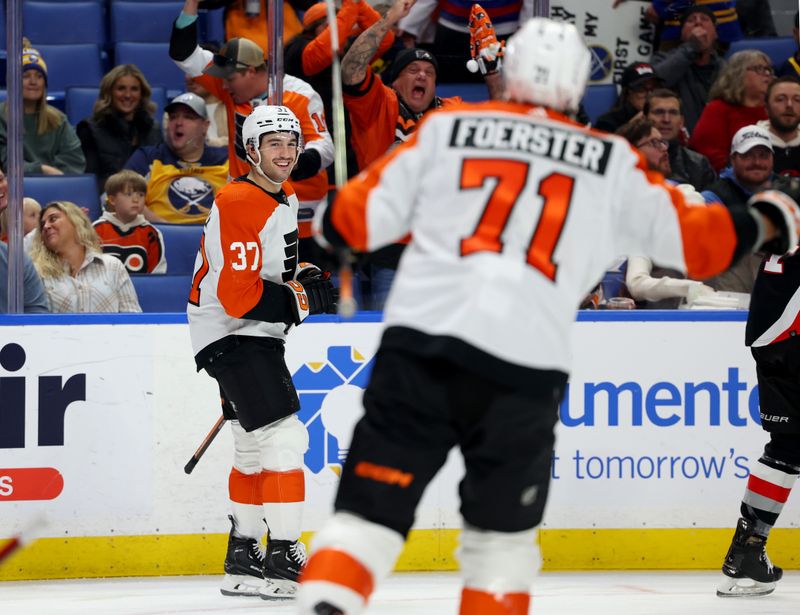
(248, 290)
(514, 213)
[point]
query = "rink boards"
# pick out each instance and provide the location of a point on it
(99, 415)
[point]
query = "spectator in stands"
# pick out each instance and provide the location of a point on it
(217, 135)
(123, 230)
(77, 276)
(49, 143)
(183, 173)
(783, 108)
(751, 170)
(671, 14)
(691, 68)
(34, 299)
(30, 217)
(241, 22)
(308, 55)
(792, 65)
(755, 18)
(452, 38)
(638, 80)
(121, 121)
(650, 286)
(663, 109)
(738, 99)
(383, 115)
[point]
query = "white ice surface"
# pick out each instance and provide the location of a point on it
(581, 593)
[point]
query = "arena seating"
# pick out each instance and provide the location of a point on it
(128, 25)
(162, 293)
(778, 49)
(181, 242)
(63, 23)
(153, 60)
(80, 189)
(71, 65)
(598, 99)
(469, 92)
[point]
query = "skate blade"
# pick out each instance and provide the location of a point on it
(278, 589)
(241, 585)
(743, 588)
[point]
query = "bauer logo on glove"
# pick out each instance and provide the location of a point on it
(486, 51)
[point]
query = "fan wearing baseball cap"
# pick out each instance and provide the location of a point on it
(183, 173)
(637, 81)
(238, 76)
(750, 171)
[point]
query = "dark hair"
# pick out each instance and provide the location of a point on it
(636, 130)
(662, 93)
(784, 79)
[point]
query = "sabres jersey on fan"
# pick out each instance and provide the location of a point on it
(138, 244)
(179, 192)
(515, 213)
(304, 102)
(775, 301)
(250, 236)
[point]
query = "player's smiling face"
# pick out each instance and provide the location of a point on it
(278, 155)
(416, 85)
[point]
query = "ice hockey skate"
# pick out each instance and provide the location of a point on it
(243, 566)
(747, 569)
(283, 564)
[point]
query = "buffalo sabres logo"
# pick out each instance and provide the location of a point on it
(191, 195)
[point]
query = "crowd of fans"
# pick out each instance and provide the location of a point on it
(718, 128)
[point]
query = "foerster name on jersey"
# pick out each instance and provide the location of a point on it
(574, 148)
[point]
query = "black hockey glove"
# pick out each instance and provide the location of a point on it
(322, 296)
(307, 271)
(780, 205)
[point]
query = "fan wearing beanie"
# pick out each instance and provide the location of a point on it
(49, 144)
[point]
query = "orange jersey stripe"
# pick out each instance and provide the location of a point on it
(340, 568)
(698, 223)
(477, 602)
(244, 488)
(283, 487)
(349, 214)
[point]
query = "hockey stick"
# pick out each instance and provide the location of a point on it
(26, 534)
(204, 445)
(347, 303)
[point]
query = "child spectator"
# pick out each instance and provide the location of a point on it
(31, 209)
(123, 230)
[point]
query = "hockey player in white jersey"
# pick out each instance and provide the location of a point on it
(248, 290)
(514, 213)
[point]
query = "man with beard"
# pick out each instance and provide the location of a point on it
(183, 173)
(663, 109)
(750, 171)
(783, 108)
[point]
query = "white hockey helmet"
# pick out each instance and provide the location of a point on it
(269, 118)
(546, 63)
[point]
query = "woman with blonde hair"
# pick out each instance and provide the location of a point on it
(122, 120)
(49, 144)
(77, 276)
(736, 99)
